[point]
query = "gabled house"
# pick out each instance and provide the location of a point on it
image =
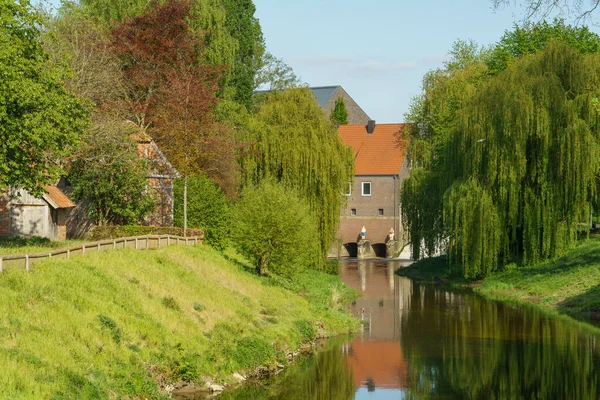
(22, 214)
(374, 196)
(326, 97)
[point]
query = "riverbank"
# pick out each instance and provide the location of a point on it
(135, 324)
(569, 284)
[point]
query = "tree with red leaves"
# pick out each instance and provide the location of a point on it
(172, 93)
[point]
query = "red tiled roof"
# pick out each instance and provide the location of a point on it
(57, 198)
(379, 153)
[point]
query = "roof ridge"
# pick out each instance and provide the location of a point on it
(324, 87)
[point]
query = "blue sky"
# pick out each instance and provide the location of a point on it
(378, 50)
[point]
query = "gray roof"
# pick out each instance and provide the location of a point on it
(324, 93)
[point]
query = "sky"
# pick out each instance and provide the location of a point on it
(378, 51)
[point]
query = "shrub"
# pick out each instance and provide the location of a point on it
(207, 208)
(171, 303)
(274, 229)
(110, 324)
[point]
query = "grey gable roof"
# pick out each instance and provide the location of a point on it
(324, 93)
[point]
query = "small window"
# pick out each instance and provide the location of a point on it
(353, 211)
(349, 189)
(366, 188)
(381, 211)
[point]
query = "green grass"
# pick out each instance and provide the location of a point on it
(16, 245)
(126, 323)
(569, 284)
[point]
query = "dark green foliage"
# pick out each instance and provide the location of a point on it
(251, 351)
(170, 303)
(208, 208)
(110, 324)
(199, 307)
(110, 177)
(306, 329)
(295, 143)
(339, 114)
(275, 230)
(244, 27)
(39, 120)
(531, 38)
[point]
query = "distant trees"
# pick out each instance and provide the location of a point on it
(40, 121)
(503, 160)
(339, 114)
(274, 228)
(580, 10)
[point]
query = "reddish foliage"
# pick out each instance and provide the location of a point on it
(171, 91)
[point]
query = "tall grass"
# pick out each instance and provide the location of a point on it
(126, 323)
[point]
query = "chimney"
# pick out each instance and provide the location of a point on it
(370, 126)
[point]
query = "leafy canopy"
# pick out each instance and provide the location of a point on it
(275, 229)
(39, 119)
(295, 143)
(339, 114)
(504, 166)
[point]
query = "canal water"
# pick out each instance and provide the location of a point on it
(423, 342)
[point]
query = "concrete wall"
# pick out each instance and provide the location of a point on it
(356, 115)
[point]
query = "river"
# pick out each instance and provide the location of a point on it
(423, 342)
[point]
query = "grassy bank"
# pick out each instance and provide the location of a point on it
(569, 284)
(129, 323)
(16, 245)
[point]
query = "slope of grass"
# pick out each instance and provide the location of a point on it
(16, 245)
(127, 323)
(569, 284)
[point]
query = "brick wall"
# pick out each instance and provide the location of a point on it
(356, 115)
(4, 215)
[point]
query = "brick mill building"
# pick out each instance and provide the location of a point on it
(374, 196)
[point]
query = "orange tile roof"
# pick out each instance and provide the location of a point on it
(57, 198)
(379, 153)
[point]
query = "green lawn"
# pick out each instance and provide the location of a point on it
(127, 323)
(569, 284)
(16, 245)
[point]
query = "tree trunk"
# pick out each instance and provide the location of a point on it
(262, 267)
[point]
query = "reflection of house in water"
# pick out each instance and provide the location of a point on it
(376, 359)
(376, 364)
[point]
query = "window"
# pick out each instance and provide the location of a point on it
(366, 188)
(381, 211)
(353, 211)
(349, 190)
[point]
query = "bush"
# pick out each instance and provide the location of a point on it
(274, 229)
(208, 208)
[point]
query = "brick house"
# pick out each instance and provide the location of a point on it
(22, 214)
(326, 97)
(374, 196)
(161, 178)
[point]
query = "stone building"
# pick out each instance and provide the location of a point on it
(374, 196)
(326, 97)
(22, 214)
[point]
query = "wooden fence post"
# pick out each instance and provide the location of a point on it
(147, 243)
(98, 247)
(136, 243)
(114, 244)
(27, 262)
(68, 253)
(0, 264)
(83, 248)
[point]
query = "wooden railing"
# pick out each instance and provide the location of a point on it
(147, 242)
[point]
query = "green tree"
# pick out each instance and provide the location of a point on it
(208, 208)
(275, 74)
(108, 174)
(40, 120)
(339, 114)
(295, 143)
(580, 10)
(275, 229)
(243, 26)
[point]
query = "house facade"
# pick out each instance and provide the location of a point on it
(22, 214)
(373, 198)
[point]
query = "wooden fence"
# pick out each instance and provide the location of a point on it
(147, 242)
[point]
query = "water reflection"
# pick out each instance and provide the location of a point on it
(421, 342)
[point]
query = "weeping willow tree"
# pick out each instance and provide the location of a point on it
(519, 166)
(294, 142)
